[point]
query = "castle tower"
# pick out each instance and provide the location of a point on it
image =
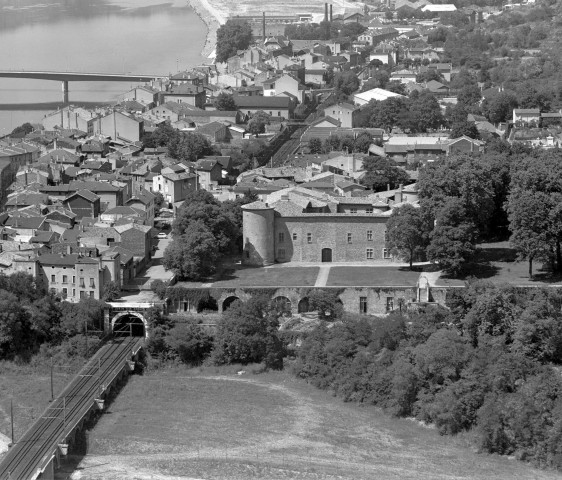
(258, 226)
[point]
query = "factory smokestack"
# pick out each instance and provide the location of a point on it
(325, 12)
(263, 27)
(331, 13)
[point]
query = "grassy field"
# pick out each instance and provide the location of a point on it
(269, 277)
(371, 276)
(497, 263)
(30, 391)
(191, 424)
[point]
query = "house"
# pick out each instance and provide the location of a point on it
(112, 215)
(110, 195)
(59, 156)
(209, 173)
(17, 201)
(216, 132)
(73, 276)
(526, 115)
(184, 93)
(437, 88)
(83, 203)
(136, 238)
(174, 186)
(70, 118)
(273, 106)
(143, 200)
(388, 55)
(27, 226)
(200, 117)
(120, 126)
(345, 113)
(145, 95)
(378, 94)
(442, 8)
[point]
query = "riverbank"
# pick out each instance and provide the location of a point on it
(213, 18)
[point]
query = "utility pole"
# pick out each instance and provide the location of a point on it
(52, 390)
(12, 417)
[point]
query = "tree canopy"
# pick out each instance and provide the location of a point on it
(231, 37)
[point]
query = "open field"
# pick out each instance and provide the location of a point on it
(372, 276)
(192, 425)
(496, 262)
(30, 391)
(261, 277)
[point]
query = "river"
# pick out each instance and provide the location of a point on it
(135, 36)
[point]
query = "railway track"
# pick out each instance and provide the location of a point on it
(33, 452)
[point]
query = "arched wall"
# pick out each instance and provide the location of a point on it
(135, 314)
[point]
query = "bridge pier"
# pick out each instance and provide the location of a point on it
(65, 92)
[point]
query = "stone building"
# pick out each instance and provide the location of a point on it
(301, 225)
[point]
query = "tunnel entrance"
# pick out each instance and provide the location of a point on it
(129, 324)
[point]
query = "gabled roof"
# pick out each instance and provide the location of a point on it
(25, 222)
(86, 194)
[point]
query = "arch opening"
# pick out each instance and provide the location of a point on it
(283, 303)
(228, 301)
(208, 304)
(304, 305)
(129, 324)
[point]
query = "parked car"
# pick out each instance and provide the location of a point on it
(161, 235)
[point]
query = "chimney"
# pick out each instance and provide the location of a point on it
(331, 13)
(325, 12)
(263, 27)
(398, 195)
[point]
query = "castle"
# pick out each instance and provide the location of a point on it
(302, 225)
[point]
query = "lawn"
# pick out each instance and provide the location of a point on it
(29, 390)
(497, 263)
(269, 277)
(184, 424)
(372, 277)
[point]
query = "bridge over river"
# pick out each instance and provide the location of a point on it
(66, 77)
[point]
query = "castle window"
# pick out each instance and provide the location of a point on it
(64, 279)
(369, 210)
(281, 237)
(386, 253)
(349, 238)
(353, 210)
(369, 235)
(281, 253)
(370, 254)
(362, 304)
(53, 278)
(294, 236)
(309, 237)
(386, 236)
(389, 304)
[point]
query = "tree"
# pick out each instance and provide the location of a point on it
(247, 333)
(469, 95)
(345, 83)
(194, 254)
(327, 303)
(362, 142)
(202, 206)
(464, 129)
(386, 113)
(111, 291)
(407, 232)
(15, 327)
(528, 222)
(231, 37)
(190, 147)
(315, 145)
(380, 172)
(500, 107)
(22, 130)
(425, 113)
(225, 102)
(159, 201)
(191, 341)
(453, 238)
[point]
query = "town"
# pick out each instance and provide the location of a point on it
(368, 195)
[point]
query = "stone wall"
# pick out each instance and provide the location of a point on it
(292, 240)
